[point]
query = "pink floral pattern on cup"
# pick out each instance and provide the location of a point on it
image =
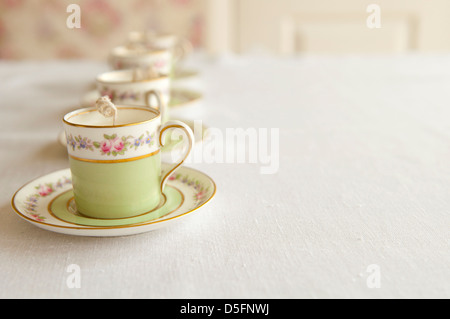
(112, 145)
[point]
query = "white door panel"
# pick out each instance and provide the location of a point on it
(331, 26)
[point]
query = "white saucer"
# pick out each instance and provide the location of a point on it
(33, 202)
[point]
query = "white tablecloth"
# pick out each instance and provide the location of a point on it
(363, 179)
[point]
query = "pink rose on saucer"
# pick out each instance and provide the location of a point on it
(37, 217)
(200, 195)
(44, 190)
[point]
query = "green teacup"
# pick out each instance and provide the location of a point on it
(116, 169)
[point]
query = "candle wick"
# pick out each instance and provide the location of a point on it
(107, 108)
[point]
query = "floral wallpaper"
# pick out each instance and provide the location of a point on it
(37, 29)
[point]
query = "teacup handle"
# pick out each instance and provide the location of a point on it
(182, 49)
(190, 139)
(161, 105)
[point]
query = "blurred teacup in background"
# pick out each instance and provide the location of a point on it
(140, 87)
(140, 56)
(178, 46)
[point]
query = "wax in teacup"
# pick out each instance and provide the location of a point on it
(125, 116)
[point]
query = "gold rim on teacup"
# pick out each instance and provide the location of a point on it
(70, 115)
(126, 72)
(123, 58)
(125, 52)
(152, 39)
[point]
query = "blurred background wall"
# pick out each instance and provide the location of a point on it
(290, 26)
(37, 28)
